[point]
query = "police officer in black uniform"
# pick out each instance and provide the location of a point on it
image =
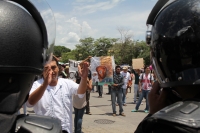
(27, 36)
(174, 40)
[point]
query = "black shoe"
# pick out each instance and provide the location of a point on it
(108, 93)
(88, 113)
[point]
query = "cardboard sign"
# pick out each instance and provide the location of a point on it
(137, 63)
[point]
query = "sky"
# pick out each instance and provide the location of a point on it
(78, 19)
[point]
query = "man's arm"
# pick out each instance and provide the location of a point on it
(121, 82)
(133, 71)
(83, 74)
(89, 84)
(35, 96)
(140, 85)
(129, 81)
(140, 82)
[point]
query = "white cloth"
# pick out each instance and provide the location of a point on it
(146, 81)
(95, 79)
(57, 101)
(127, 77)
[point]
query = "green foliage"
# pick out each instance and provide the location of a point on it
(102, 45)
(84, 49)
(123, 52)
(142, 50)
(69, 55)
(59, 50)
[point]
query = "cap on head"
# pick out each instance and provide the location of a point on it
(125, 68)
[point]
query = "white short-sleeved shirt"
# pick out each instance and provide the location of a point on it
(126, 77)
(95, 79)
(57, 101)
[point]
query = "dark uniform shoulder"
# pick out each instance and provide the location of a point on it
(180, 117)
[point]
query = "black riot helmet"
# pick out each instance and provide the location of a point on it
(27, 35)
(24, 42)
(174, 39)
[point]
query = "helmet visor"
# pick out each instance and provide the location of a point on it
(49, 21)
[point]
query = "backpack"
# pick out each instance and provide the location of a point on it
(143, 76)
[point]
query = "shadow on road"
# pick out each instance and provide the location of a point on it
(99, 105)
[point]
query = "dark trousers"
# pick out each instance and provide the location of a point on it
(109, 89)
(87, 100)
(116, 93)
(78, 118)
(100, 90)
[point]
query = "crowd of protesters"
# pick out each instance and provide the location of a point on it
(123, 78)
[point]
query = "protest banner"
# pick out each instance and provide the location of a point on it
(73, 67)
(138, 63)
(103, 66)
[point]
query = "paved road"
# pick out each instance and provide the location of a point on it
(102, 121)
(101, 110)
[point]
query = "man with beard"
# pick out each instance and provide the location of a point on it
(116, 91)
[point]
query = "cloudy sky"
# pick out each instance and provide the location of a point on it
(76, 19)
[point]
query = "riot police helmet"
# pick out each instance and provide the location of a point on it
(27, 36)
(174, 40)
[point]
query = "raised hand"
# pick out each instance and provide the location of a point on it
(47, 75)
(83, 70)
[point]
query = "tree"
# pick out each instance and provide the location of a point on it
(102, 45)
(125, 36)
(69, 55)
(132, 50)
(142, 50)
(85, 48)
(125, 41)
(58, 50)
(123, 51)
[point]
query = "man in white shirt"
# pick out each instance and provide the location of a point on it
(52, 96)
(127, 79)
(95, 81)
